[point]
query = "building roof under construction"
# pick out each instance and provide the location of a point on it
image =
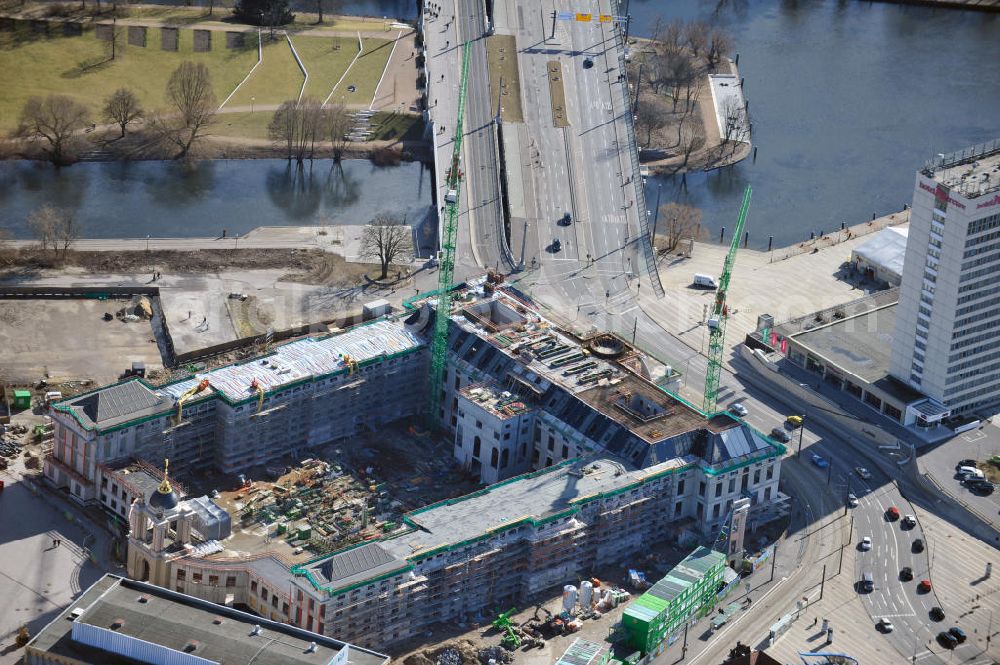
(115, 404)
(301, 360)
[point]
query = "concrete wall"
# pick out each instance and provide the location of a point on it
(202, 41)
(169, 39)
(137, 35)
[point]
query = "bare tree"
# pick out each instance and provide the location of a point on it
(56, 119)
(672, 36)
(692, 141)
(297, 125)
(55, 228)
(189, 92)
(690, 88)
(651, 116)
(719, 46)
(680, 222)
(696, 36)
(385, 240)
(122, 107)
(333, 6)
(736, 125)
(337, 124)
(680, 75)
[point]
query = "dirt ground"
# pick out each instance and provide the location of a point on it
(68, 342)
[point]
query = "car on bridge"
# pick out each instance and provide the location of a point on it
(852, 501)
(556, 246)
(909, 522)
(819, 461)
(918, 545)
(906, 574)
(865, 544)
(565, 220)
(794, 421)
(892, 513)
(924, 586)
(885, 625)
(864, 473)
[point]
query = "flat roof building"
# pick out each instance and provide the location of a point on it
(123, 622)
(946, 342)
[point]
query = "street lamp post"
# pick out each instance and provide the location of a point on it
(147, 242)
(237, 241)
(251, 103)
(802, 429)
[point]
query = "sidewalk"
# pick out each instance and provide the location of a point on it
(37, 578)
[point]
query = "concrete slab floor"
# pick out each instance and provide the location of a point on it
(69, 340)
(785, 288)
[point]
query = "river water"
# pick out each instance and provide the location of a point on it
(135, 199)
(847, 100)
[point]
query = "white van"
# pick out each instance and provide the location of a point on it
(706, 281)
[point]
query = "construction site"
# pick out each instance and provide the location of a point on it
(344, 495)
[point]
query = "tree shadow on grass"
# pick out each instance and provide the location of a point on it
(89, 66)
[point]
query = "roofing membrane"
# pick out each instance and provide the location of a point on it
(303, 359)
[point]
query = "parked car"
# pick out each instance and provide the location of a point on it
(587, 63)
(865, 544)
(936, 614)
(739, 410)
(556, 245)
(966, 462)
(852, 501)
(819, 461)
(885, 625)
(906, 574)
(794, 421)
(918, 545)
(983, 487)
(565, 220)
(909, 521)
(947, 640)
(780, 434)
(892, 513)
(863, 472)
(957, 633)
(924, 586)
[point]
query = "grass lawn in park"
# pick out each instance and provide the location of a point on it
(81, 67)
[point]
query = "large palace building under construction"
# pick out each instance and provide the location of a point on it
(582, 459)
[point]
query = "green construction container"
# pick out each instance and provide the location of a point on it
(22, 399)
(281, 528)
(305, 532)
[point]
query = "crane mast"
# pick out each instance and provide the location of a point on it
(446, 269)
(720, 314)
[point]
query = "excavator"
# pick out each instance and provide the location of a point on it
(259, 389)
(185, 396)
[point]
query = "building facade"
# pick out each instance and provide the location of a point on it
(947, 337)
(304, 394)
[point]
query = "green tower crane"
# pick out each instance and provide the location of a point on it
(446, 268)
(720, 314)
